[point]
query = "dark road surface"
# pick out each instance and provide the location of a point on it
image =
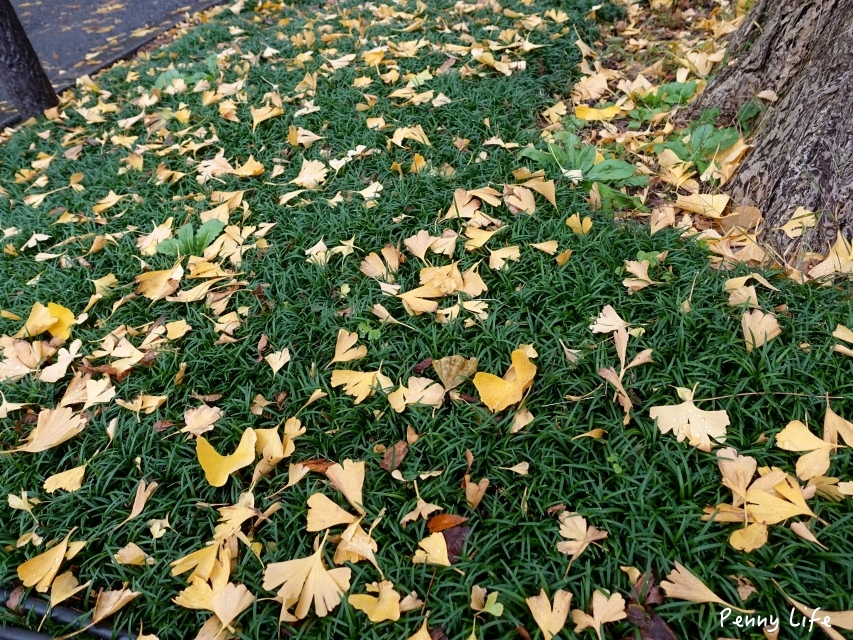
(76, 37)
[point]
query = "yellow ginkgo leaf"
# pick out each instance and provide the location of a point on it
(834, 425)
(499, 393)
(53, 318)
(687, 421)
(156, 285)
(99, 392)
(109, 602)
(800, 220)
(348, 478)
(683, 585)
(840, 619)
(583, 112)
(356, 545)
(54, 426)
(766, 508)
(710, 205)
(110, 200)
(249, 169)
(229, 601)
(277, 359)
(200, 561)
(262, 114)
(543, 187)
(345, 349)
(550, 619)
(737, 471)
(550, 247)
(797, 437)
(749, 538)
(64, 586)
(384, 606)
(218, 468)
(433, 550)
(499, 257)
(307, 580)
(578, 535)
(580, 227)
(360, 384)
(70, 480)
(417, 301)
(311, 175)
(200, 419)
(323, 514)
(604, 609)
(422, 633)
(608, 321)
(131, 554)
(143, 492)
(41, 570)
(759, 328)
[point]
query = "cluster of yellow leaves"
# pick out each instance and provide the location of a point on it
(775, 496)
(551, 618)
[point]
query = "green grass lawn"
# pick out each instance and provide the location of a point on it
(644, 488)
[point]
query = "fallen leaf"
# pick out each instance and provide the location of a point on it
(749, 538)
(345, 350)
(433, 550)
(687, 421)
(474, 492)
(444, 521)
(143, 492)
(580, 227)
(454, 370)
(604, 609)
(323, 514)
(710, 205)
(759, 328)
(797, 437)
(583, 112)
(70, 480)
(681, 584)
(263, 114)
(131, 554)
(608, 321)
(199, 420)
(384, 606)
(499, 393)
(348, 478)
(311, 175)
(305, 580)
(485, 602)
(218, 468)
(54, 427)
(393, 456)
(42, 569)
(277, 360)
(551, 620)
(64, 586)
(53, 318)
(109, 602)
(578, 535)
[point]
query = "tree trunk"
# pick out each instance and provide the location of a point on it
(803, 148)
(20, 70)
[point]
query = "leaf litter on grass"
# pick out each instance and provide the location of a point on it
(488, 227)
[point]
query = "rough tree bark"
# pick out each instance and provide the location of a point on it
(803, 148)
(20, 70)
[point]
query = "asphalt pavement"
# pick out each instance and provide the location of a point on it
(77, 37)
